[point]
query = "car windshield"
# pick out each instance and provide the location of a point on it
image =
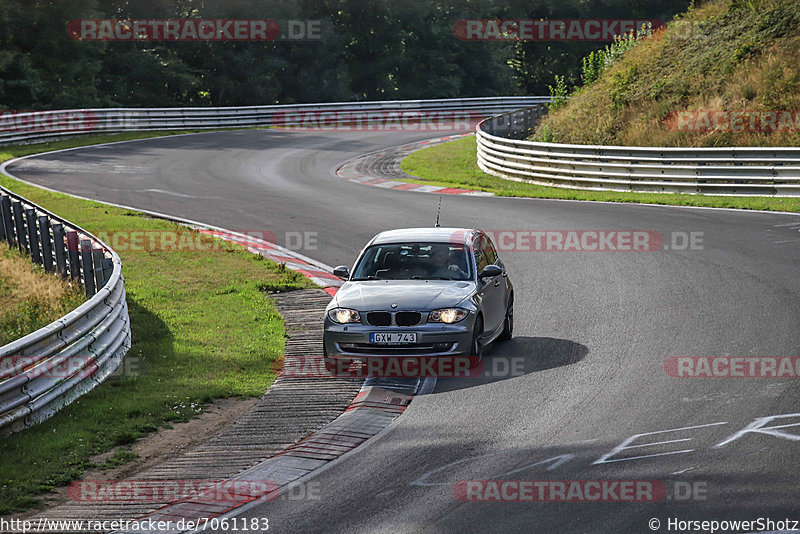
(414, 261)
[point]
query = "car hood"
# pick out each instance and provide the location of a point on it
(418, 295)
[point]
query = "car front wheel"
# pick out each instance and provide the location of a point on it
(508, 323)
(477, 344)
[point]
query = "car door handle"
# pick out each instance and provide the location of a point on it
(496, 283)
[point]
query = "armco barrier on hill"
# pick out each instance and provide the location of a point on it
(504, 152)
(47, 369)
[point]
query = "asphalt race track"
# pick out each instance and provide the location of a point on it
(593, 332)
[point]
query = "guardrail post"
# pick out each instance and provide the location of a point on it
(19, 223)
(86, 262)
(33, 238)
(59, 247)
(97, 261)
(47, 249)
(74, 259)
(6, 220)
(108, 269)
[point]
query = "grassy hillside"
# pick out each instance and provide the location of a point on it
(731, 55)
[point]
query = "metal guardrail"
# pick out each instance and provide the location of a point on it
(47, 369)
(33, 127)
(734, 171)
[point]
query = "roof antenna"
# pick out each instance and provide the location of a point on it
(438, 211)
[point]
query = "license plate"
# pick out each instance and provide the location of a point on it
(392, 338)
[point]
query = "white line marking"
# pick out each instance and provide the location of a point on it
(626, 444)
(559, 461)
(757, 427)
(683, 470)
(172, 193)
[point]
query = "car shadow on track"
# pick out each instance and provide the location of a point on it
(516, 357)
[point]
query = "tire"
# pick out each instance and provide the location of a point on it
(508, 322)
(477, 345)
(330, 365)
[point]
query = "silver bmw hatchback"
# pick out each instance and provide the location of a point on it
(420, 292)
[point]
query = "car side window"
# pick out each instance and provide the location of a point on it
(481, 258)
(491, 253)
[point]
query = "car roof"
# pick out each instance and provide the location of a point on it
(426, 235)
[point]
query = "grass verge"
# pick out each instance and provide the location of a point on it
(29, 297)
(203, 328)
(453, 164)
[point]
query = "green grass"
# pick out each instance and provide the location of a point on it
(453, 164)
(203, 329)
(120, 457)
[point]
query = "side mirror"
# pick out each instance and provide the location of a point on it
(342, 272)
(490, 271)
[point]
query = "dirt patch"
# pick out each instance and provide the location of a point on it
(169, 442)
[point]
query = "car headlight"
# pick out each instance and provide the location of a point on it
(447, 315)
(344, 316)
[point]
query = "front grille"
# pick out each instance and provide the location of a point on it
(379, 318)
(407, 318)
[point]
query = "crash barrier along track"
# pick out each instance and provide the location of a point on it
(504, 152)
(40, 126)
(47, 369)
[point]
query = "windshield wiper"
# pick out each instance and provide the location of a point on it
(371, 277)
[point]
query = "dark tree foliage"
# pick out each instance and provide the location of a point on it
(369, 50)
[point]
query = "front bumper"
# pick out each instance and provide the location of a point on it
(351, 341)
